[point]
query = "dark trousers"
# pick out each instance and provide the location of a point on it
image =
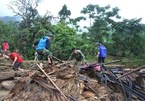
(101, 59)
(16, 65)
(40, 55)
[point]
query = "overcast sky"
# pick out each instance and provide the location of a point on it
(128, 8)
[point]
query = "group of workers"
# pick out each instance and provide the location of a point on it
(42, 52)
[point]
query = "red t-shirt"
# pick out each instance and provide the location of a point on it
(5, 46)
(13, 55)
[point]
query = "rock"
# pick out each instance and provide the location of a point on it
(8, 85)
(3, 93)
(88, 94)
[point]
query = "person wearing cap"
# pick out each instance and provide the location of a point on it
(42, 47)
(102, 53)
(15, 58)
(78, 56)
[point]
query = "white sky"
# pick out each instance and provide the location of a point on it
(128, 8)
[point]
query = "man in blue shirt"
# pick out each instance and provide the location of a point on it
(42, 47)
(102, 53)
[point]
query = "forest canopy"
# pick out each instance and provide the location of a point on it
(122, 37)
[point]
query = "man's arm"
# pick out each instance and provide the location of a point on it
(70, 57)
(82, 55)
(47, 44)
(15, 59)
(5, 56)
(98, 54)
(36, 43)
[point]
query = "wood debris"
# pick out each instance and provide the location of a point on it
(56, 82)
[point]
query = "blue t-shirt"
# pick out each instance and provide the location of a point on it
(103, 51)
(42, 43)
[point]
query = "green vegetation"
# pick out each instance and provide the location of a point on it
(123, 38)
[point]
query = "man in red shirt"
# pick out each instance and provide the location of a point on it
(5, 46)
(15, 59)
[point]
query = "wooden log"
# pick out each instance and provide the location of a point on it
(57, 59)
(142, 67)
(2, 64)
(114, 65)
(51, 81)
(2, 69)
(12, 74)
(65, 63)
(7, 75)
(111, 62)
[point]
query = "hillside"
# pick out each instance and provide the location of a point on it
(7, 19)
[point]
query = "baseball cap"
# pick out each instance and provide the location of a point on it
(49, 34)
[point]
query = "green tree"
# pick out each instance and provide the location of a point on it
(100, 21)
(8, 32)
(30, 25)
(128, 37)
(64, 13)
(64, 40)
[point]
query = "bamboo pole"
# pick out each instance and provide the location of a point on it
(51, 80)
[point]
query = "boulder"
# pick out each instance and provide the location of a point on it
(8, 85)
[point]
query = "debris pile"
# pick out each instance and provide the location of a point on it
(54, 83)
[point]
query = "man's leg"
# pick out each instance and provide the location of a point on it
(48, 54)
(83, 62)
(40, 57)
(17, 66)
(103, 59)
(76, 63)
(76, 67)
(50, 60)
(36, 56)
(99, 59)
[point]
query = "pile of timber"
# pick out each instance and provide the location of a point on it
(58, 82)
